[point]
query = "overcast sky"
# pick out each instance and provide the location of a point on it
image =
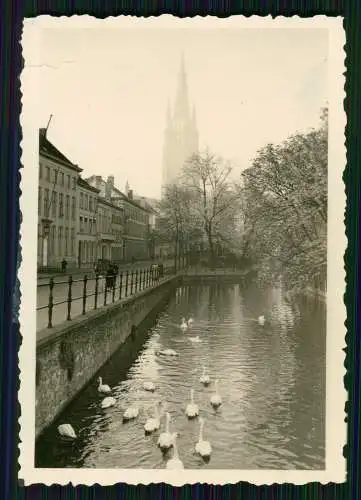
(108, 88)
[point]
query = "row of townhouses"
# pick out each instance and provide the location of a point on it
(83, 220)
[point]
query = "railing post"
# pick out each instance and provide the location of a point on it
(144, 278)
(131, 282)
(96, 290)
(114, 285)
(120, 285)
(141, 279)
(136, 280)
(70, 283)
(105, 290)
(84, 292)
(126, 282)
(50, 304)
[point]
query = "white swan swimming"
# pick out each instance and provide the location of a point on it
(203, 448)
(153, 424)
(131, 412)
(149, 386)
(195, 340)
(175, 462)
(204, 378)
(190, 321)
(66, 430)
(104, 388)
(216, 399)
(167, 352)
(192, 409)
(261, 320)
(165, 440)
(184, 324)
(108, 402)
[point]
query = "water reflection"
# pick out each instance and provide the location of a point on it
(271, 379)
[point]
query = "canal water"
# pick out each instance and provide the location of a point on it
(271, 380)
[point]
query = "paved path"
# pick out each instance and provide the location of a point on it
(60, 294)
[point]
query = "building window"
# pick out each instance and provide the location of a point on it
(67, 203)
(62, 178)
(72, 243)
(53, 203)
(46, 202)
(40, 199)
(86, 202)
(52, 240)
(40, 170)
(55, 176)
(66, 240)
(60, 241)
(73, 208)
(74, 183)
(68, 181)
(81, 202)
(47, 173)
(90, 203)
(61, 205)
(81, 226)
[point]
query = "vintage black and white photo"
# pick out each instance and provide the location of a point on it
(182, 242)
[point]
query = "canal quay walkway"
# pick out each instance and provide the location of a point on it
(65, 297)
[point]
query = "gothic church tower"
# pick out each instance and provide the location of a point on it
(181, 134)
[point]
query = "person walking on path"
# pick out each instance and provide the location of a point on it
(63, 265)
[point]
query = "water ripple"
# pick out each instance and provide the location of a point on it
(271, 380)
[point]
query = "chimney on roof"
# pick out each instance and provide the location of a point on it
(98, 181)
(109, 187)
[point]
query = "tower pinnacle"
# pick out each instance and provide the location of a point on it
(181, 135)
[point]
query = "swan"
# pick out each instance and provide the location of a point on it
(175, 462)
(165, 440)
(203, 448)
(108, 402)
(131, 412)
(184, 324)
(149, 386)
(261, 320)
(167, 352)
(66, 430)
(216, 399)
(204, 378)
(196, 339)
(153, 424)
(103, 387)
(192, 409)
(190, 321)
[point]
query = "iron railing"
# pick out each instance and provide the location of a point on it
(91, 293)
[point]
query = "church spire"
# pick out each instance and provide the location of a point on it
(181, 108)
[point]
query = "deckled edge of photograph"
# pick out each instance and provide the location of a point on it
(336, 394)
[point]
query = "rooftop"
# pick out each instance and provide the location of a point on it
(46, 148)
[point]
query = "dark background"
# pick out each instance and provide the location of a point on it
(12, 13)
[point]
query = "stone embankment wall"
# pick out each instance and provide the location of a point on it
(70, 355)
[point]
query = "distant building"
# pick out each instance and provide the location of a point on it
(181, 133)
(134, 216)
(57, 211)
(87, 234)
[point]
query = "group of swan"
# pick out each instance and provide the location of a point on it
(166, 439)
(185, 324)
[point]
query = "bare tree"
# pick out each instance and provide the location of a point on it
(215, 202)
(175, 219)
